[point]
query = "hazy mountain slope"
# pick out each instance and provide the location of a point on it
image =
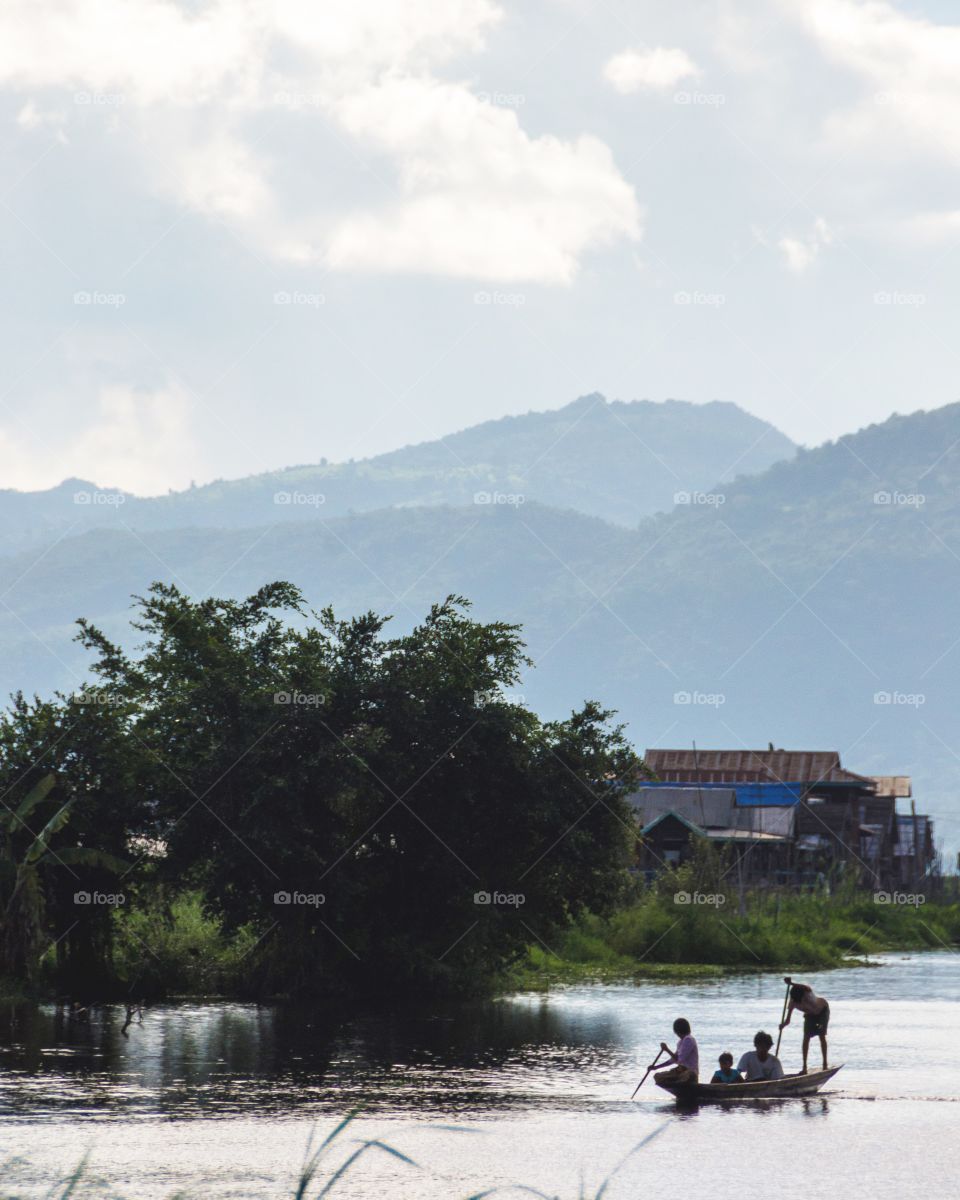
(781, 614)
(614, 460)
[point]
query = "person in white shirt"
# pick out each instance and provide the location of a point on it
(760, 1063)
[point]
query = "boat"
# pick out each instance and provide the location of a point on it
(759, 1089)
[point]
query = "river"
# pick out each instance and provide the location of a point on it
(218, 1100)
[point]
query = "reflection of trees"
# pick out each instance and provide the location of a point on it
(231, 1057)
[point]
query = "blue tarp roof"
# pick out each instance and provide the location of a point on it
(748, 793)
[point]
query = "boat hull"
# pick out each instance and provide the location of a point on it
(760, 1089)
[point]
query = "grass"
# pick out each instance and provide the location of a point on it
(656, 937)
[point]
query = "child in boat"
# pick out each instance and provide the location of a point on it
(726, 1074)
(686, 1057)
(816, 1017)
(759, 1063)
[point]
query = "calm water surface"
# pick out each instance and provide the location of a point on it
(219, 1100)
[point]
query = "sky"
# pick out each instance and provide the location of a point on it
(246, 234)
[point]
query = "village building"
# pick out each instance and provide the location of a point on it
(787, 817)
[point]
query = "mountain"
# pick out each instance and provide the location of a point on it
(811, 606)
(620, 461)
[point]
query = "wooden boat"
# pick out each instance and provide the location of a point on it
(759, 1089)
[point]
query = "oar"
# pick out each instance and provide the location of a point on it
(655, 1063)
(783, 1017)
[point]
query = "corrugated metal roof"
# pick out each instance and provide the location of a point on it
(776, 821)
(898, 786)
(758, 766)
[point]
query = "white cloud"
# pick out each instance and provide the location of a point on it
(801, 252)
(139, 441)
(910, 71)
(475, 195)
(655, 69)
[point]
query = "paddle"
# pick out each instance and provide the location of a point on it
(783, 1017)
(655, 1063)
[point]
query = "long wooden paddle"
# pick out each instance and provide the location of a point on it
(656, 1062)
(783, 1017)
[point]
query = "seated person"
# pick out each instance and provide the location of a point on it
(760, 1063)
(686, 1057)
(726, 1074)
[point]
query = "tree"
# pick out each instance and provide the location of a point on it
(377, 808)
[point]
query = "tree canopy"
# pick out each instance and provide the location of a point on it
(377, 812)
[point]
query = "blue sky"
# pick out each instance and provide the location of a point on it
(242, 235)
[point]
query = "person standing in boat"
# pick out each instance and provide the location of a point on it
(816, 1016)
(759, 1063)
(686, 1057)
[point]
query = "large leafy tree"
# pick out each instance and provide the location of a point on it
(356, 798)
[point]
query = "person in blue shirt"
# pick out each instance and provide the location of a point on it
(726, 1074)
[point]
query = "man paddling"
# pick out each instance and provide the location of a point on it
(686, 1057)
(816, 1016)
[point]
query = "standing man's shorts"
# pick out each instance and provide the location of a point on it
(816, 1024)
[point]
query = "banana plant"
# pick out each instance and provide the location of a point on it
(21, 890)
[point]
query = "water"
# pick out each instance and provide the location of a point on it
(219, 1100)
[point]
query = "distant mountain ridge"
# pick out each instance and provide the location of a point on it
(618, 460)
(811, 605)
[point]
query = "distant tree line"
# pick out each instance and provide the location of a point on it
(373, 814)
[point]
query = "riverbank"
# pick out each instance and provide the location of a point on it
(673, 937)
